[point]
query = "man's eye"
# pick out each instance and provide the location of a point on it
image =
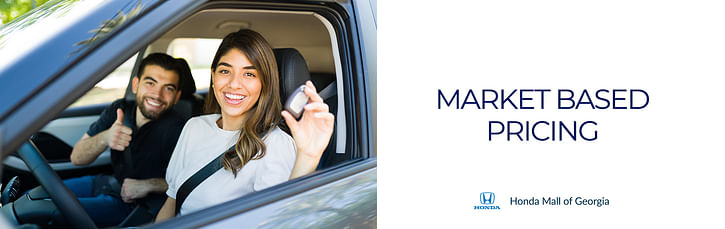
(171, 89)
(149, 83)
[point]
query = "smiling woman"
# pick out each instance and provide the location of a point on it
(236, 95)
(244, 67)
(245, 91)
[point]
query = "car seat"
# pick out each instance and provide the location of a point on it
(189, 104)
(293, 72)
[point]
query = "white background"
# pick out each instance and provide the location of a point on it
(662, 166)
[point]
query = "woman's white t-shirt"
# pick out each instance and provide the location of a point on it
(202, 141)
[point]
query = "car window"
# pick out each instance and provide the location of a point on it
(315, 36)
(70, 30)
(110, 88)
(196, 51)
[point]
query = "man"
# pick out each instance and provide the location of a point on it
(141, 134)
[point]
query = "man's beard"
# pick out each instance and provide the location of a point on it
(152, 115)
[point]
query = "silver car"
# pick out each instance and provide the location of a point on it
(59, 59)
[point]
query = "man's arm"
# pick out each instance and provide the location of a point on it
(88, 148)
(167, 210)
(133, 189)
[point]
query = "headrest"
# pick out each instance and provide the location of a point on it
(293, 70)
(188, 87)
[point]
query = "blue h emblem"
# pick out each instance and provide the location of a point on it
(487, 197)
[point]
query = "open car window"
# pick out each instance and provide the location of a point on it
(110, 88)
(196, 51)
(197, 37)
(320, 32)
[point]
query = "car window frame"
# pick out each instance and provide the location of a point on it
(354, 81)
(87, 43)
(81, 76)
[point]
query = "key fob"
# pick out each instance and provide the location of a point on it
(296, 102)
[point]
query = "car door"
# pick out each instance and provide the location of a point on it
(341, 196)
(353, 179)
(74, 34)
(56, 139)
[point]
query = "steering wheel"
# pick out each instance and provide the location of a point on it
(64, 199)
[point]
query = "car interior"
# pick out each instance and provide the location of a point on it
(304, 51)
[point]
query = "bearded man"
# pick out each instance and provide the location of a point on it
(142, 135)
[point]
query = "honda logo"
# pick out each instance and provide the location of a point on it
(487, 197)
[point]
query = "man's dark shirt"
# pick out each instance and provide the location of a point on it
(150, 147)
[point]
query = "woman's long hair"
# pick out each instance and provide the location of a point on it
(265, 113)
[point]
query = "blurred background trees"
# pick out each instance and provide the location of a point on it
(11, 9)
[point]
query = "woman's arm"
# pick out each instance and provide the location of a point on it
(311, 134)
(167, 210)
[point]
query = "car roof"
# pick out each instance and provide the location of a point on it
(310, 37)
(42, 44)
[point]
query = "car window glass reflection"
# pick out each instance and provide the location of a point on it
(48, 19)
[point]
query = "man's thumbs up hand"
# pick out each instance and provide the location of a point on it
(118, 136)
(119, 116)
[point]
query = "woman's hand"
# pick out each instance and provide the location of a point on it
(311, 133)
(167, 211)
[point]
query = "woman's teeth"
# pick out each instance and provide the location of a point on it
(233, 96)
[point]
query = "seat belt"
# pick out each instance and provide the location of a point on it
(216, 164)
(201, 175)
(329, 91)
(128, 120)
(197, 178)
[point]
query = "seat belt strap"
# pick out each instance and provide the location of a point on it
(329, 91)
(201, 175)
(197, 178)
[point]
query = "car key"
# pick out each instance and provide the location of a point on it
(296, 102)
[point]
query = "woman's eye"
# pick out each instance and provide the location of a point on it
(224, 71)
(249, 74)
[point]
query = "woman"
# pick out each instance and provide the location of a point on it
(244, 100)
